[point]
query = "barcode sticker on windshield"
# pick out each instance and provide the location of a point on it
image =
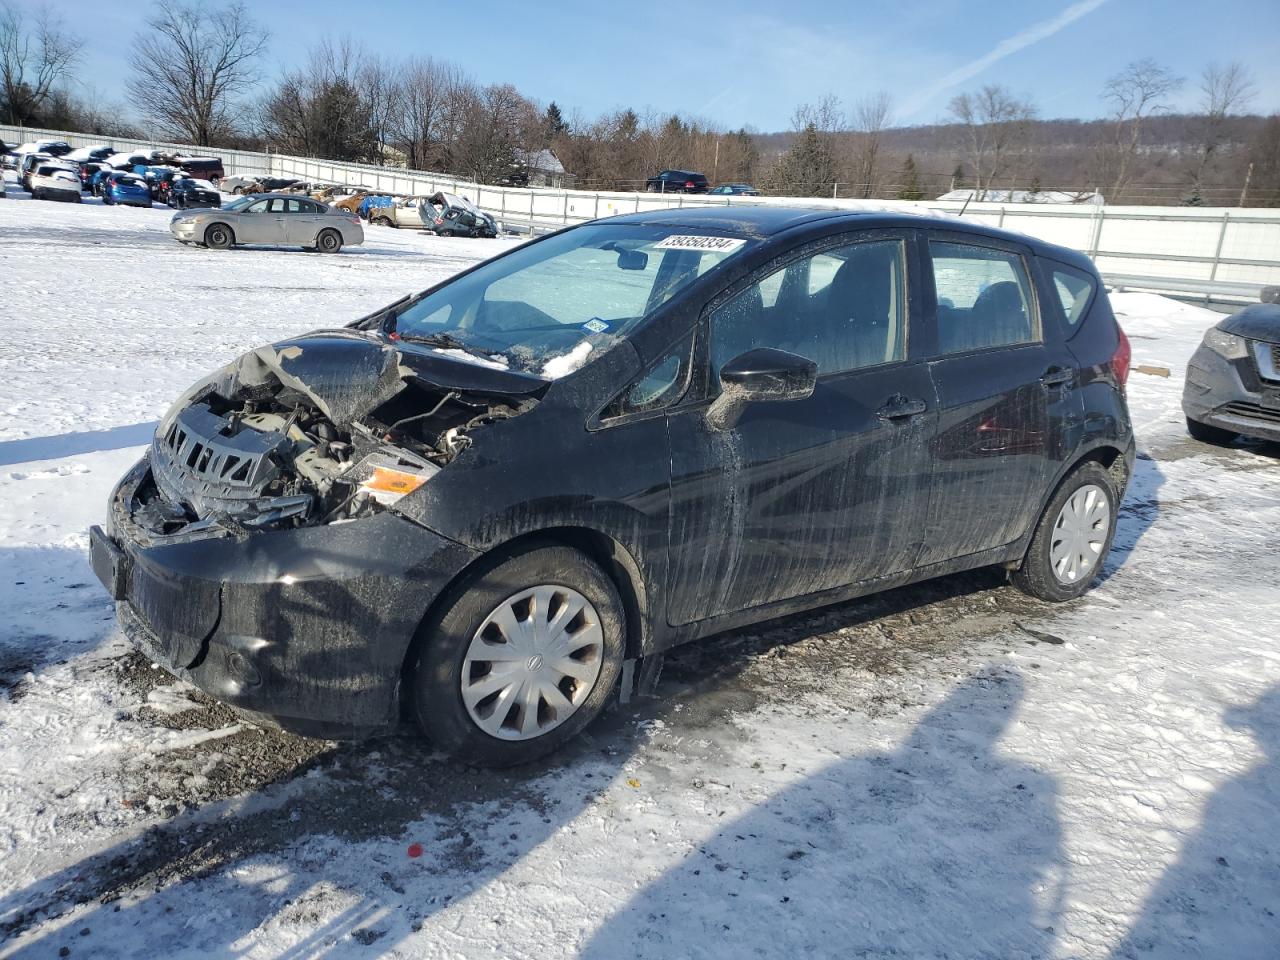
(711, 244)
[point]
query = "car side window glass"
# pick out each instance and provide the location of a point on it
(292, 206)
(844, 308)
(984, 297)
(259, 207)
(1074, 288)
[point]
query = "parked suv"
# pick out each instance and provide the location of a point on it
(478, 503)
(677, 181)
(1233, 379)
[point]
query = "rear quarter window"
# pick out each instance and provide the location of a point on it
(1074, 290)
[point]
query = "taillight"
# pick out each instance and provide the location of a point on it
(439, 220)
(1121, 358)
(688, 184)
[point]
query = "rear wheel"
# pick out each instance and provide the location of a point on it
(519, 657)
(1208, 434)
(329, 241)
(384, 222)
(1072, 538)
(218, 236)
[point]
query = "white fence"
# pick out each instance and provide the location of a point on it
(1223, 252)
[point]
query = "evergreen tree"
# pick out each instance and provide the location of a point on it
(909, 180)
(808, 168)
(553, 122)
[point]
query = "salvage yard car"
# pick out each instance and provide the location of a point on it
(126, 189)
(270, 218)
(53, 181)
(187, 192)
(448, 216)
(493, 503)
(1233, 379)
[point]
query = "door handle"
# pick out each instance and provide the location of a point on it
(1056, 376)
(901, 408)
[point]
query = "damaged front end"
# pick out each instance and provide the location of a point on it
(258, 551)
(327, 428)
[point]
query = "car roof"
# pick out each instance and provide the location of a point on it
(766, 220)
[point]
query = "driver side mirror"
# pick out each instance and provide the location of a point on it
(760, 374)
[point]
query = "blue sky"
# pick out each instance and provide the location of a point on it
(750, 63)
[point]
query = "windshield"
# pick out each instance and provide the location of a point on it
(240, 203)
(545, 307)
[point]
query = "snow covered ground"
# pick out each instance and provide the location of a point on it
(949, 770)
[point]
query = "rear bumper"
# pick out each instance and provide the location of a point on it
(1229, 394)
(308, 627)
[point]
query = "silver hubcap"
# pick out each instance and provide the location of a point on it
(532, 663)
(1079, 534)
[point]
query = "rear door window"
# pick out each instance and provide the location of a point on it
(984, 297)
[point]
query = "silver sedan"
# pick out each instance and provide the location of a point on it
(273, 218)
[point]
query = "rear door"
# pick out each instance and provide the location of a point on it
(1008, 408)
(301, 222)
(802, 496)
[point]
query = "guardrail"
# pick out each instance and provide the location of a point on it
(1220, 253)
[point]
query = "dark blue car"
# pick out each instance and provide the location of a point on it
(126, 188)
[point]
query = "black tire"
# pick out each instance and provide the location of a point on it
(329, 241)
(238, 190)
(1036, 577)
(218, 236)
(383, 222)
(1209, 434)
(443, 639)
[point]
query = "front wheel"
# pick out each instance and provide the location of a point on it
(1209, 434)
(519, 657)
(218, 237)
(1072, 538)
(329, 241)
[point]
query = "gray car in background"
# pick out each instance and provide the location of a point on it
(1233, 379)
(275, 219)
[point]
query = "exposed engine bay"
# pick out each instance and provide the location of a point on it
(256, 447)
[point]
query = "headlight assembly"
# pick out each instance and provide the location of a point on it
(1226, 344)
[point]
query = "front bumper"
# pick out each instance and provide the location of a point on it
(1230, 395)
(308, 627)
(183, 229)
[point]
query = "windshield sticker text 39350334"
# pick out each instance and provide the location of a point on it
(709, 244)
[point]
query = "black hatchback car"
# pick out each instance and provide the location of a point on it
(678, 181)
(492, 504)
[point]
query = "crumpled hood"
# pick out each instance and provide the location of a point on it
(1259, 321)
(348, 374)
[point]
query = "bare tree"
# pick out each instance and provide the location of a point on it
(33, 57)
(383, 93)
(319, 109)
(1225, 89)
(871, 115)
(424, 125)
(496, 123)
(190, 65)
(1140, 90)
(996, 127)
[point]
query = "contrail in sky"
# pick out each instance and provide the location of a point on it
(1019, 41)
